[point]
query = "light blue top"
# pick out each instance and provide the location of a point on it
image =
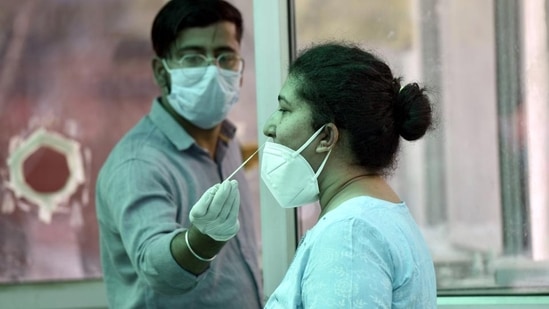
(366, 253)
(144, 194)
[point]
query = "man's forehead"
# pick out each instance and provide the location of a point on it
(218, 35)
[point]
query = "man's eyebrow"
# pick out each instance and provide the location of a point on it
(225, 49)
(190, 48)
(201, 49)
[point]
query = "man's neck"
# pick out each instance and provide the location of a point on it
(204, 138)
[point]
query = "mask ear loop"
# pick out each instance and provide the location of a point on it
(169, 71)
(165, 64)
(321, 167)
(244, 163)
(309, 141)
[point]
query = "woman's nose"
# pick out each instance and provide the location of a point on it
(268, 128)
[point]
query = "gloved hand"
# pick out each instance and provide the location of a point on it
(216, 212)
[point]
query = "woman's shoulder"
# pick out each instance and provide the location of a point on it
(365, 208)
(364, 215)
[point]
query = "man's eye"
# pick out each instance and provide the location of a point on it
(193, 60)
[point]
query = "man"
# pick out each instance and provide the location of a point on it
(168, 228)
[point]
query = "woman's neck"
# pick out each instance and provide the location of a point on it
(351, 186)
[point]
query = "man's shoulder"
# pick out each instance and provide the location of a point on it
(143, 134)
(138, 142)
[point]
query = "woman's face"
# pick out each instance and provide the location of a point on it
(291, 124)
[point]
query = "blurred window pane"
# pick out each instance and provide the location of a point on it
(478, 185)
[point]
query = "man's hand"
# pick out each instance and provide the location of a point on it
(216, 212)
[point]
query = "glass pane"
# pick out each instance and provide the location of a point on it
(478, 185)
(74, 77)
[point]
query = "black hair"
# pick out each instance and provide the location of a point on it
(357, 91)
(178, 15)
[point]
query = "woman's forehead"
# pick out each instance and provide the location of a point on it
(289, 91)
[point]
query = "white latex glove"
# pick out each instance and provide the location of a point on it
(216, 212)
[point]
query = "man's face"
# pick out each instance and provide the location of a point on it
(211, 41)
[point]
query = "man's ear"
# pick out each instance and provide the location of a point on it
(161, 76)
(330, 136)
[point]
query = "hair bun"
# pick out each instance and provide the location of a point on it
(412, 112)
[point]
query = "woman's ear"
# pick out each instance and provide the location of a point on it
(330, 136)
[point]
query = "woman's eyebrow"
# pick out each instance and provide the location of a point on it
(282, 98)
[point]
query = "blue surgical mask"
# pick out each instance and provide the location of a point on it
(205, 95)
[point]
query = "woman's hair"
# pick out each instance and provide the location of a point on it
(356, 91)
(178, 15)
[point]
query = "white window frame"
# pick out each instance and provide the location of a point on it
(272, 56)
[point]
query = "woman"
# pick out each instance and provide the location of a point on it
(337, 131)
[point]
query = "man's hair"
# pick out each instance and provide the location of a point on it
(178, 15)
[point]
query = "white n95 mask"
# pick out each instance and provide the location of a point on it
(288, 176)
(203, 96)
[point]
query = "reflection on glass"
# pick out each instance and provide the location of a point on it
(73, 77)
(479, 184)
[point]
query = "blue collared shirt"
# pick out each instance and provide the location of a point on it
(366, 253)
(144, 193)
